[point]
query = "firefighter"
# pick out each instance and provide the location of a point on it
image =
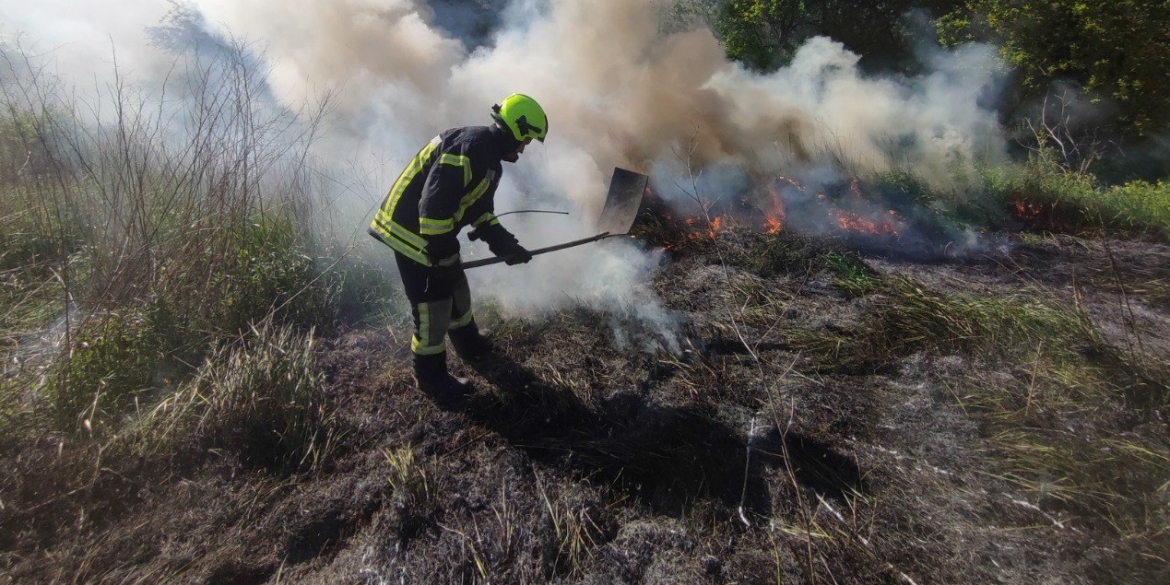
(451, 184)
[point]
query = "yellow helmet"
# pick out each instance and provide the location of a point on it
(522, 116)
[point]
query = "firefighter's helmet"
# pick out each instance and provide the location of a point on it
(522, 116)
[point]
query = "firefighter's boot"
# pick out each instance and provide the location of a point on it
(470, 345)
(430, 374)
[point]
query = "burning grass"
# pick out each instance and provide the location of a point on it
(821, 407)
(1045, 197)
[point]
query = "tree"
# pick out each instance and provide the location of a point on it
(764, 34)
(1114, 49)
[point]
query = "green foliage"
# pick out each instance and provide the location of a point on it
(764, 34)
(854, 277)
(1115, 49)
(113, 359)
(363, 292)
(274, 273)
(23, 136)
(1048, 197)
(761, 34)
(1139, 207)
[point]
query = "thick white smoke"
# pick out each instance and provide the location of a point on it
(617, 90)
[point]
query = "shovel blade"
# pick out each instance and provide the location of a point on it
(622, 201)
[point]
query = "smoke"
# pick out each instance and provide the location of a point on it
(618, 90)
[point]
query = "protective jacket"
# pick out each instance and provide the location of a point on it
(450, 184)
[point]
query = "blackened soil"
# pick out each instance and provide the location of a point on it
(743, 458)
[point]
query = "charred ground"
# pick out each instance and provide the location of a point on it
(832, 417)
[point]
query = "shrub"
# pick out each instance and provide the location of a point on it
(112, 360)
(274, 273)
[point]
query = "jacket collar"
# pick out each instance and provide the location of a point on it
(503, 140)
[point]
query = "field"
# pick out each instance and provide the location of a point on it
(832, 417)
(201, 385)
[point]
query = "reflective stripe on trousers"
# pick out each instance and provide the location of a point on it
(437, 305)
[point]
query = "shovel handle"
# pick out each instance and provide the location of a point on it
(498, 259)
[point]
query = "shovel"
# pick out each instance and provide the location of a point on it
(617, 217)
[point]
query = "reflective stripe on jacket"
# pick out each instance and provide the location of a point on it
(450, 184)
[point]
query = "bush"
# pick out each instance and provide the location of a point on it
(273, 273)
(112, 361)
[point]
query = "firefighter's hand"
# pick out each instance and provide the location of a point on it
(517, 255)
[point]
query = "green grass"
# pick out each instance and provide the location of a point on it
(854, 277)
(110, 366)
(916, 319)
(1048, 197)
(1050, 435)
(273, 272)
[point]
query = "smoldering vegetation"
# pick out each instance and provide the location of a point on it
(810, 363)
(842, 418)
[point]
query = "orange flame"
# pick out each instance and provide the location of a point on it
(855, 187)
(792, 182)
(774, 219)
(716, 225)
(854, 222)
(1026, 209)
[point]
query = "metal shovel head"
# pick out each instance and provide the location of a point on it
(622, 201)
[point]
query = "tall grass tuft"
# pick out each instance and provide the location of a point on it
(906, 318)
(1047, 196)
(261, 397)
(163, 225)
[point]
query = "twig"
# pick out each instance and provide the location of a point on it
(747, 466)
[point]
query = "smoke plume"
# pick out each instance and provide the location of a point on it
(618, 90)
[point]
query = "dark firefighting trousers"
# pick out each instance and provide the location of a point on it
(441, 305)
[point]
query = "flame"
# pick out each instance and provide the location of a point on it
(853, 214)
(792, 182)
(854, 222)
(716, 225)
(774, 218)
(1026, 209)
(855, 187)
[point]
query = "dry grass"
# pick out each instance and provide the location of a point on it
(262, 397)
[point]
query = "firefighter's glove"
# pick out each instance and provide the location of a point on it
(503, 244)
(516, 254)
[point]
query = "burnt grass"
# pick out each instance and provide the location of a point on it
(784, 441)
